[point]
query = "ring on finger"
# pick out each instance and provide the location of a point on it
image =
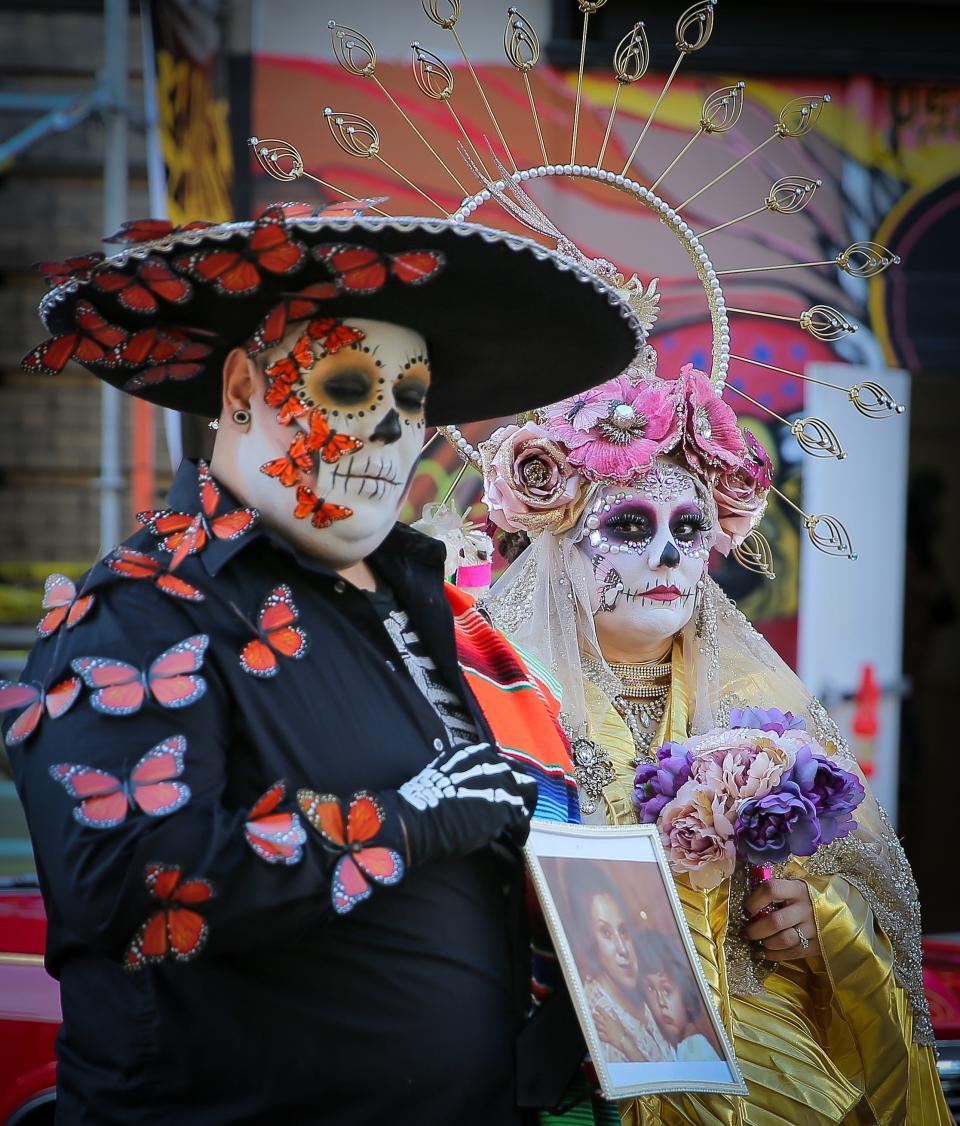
(802, 939)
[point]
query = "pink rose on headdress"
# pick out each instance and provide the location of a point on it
(529, 484)
(697, 837)
(634, 424)
(741, 493)
(711, 437)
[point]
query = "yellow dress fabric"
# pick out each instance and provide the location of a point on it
(827, 1039)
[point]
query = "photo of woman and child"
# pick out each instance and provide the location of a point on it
(643, 996)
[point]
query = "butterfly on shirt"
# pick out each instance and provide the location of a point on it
(176, 931)
(270, 249)
(359, 863)
(119, 688)
(184, 533)
(34, 699)
(277, 635)
(63, 605)
(275, 835)
(104, 800)
(131, 564)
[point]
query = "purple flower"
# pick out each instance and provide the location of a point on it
(780, 824)
(834, 792)
(657, 783)
(766, 719)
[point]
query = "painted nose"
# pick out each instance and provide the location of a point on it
(388, 429)
(669, 557)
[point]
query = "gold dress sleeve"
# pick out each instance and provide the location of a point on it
(822, 1041)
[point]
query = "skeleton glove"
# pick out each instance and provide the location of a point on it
(463, 800)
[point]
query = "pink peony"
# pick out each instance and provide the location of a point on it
(634, 424)
(697, 836)
(737, 773)
(529, 484)
(711, 437)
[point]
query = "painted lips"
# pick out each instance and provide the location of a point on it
(663, 593)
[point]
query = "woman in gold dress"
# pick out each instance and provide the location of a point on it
(624, 492)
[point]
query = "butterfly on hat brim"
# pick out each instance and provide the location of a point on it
(363, 270)
(91, 341)
(73, 269)
(142, 291)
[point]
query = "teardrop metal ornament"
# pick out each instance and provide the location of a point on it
(826, 323)
(588, 7)
(879, 403)
(698, 20)
(277, 158)
(354, 51)
(431, 9)
(632, 56)
(800, 115)
(520, 41)
(722, 109)
(828, 535)
(866, 259)
(755, 554)
(353, 133)
(791, 194)
(816, 438)
(432, 74)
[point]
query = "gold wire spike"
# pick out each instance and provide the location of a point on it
(433, 11)
(721, 111)
(796, 119)
(860, 260)
(630, 61)
(435, 79)
(280, 160)
(879, 403)
(821, 321)
(788, 195)
(755, 554)
(359, 137)
(357, 56)
(814, 436)
(521, 44)
(587, 8)
(825, 532)
(693, 31)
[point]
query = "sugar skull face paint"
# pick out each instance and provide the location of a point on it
(336, 430)
(648, 546)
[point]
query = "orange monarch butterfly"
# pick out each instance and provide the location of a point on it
(322, 513)
(62, 605)
(91, 341)
(277, 633)
(176, 930)
(120, 688)
(73, 269)
(358, 863)
(190, 531)
(236, 273)
(131, 564)
(33, 699)
(327, 442)
(287, 469)
(359, 269)
(146, 230)
(293, 307)
(274, 835)
(153, 787)
(141, 291)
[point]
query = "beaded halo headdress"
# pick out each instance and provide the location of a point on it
(504, 182)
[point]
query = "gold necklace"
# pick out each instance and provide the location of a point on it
(642, 698)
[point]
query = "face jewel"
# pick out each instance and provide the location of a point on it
(701, 423)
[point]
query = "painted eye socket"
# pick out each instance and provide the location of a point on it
(346, 381)
(631, 525)
(688, 527)
(410, 390)
(348, 388)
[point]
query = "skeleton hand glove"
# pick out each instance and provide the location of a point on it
(463, 800)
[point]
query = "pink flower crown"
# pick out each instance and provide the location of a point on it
(536, 475)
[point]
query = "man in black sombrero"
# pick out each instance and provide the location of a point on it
(282, 873)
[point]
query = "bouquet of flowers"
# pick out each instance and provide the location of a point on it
(759, 791)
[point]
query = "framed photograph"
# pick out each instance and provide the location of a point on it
(629, 961)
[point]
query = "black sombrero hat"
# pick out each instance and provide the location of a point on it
(510, 325)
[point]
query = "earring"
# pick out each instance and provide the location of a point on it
(214, 424)
(241, 417)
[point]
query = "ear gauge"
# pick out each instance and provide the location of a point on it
(241, 417)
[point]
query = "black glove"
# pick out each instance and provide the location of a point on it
(464, 799)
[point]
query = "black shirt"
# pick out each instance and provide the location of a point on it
(406, 1009)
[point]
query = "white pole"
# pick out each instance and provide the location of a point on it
(114, 83)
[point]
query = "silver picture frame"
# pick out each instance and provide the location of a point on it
(635, 1033)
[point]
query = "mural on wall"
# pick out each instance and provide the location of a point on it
(878, 152)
